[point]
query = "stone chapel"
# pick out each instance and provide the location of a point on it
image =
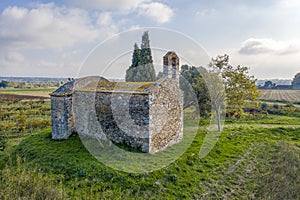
(147, 116)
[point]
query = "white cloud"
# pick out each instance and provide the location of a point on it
(104, 18)
(159, 12)
(268, 46)
(206, 12)
(49, 26)
(156, 11)
(123, 5)
(290, 3)
(134, 27)
(14, 57)
(41, 37)
(15, 64)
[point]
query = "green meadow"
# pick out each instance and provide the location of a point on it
(250, 160)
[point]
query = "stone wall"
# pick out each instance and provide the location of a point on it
(61, 106)
(85, 117)
(121, 117)
(166, 115)
(62, 117)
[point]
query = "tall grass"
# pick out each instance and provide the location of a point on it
(17, 182)
(282, 179)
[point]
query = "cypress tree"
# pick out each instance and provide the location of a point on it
(141, 69)
(136, 56)
(146, 51)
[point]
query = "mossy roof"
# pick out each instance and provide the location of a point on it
(100, 84)
(119, 87)
(64, 90)
(68, 88)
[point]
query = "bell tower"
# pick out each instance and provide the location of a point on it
(171, 65)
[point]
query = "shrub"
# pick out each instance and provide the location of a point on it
(289, 105)
(275, 112)
(264, 106)
(276, 106)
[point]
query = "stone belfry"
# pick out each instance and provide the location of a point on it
(171, 65)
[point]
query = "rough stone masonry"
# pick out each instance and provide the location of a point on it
(143, 115)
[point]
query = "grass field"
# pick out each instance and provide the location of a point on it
(249, 161)
(280, 95)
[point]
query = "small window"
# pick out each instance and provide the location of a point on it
(165, 61)
(174, 61)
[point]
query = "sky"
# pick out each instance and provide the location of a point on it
(54, 38)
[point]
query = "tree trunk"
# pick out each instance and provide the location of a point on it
(219, 118)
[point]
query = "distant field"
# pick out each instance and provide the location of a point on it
(36, 92)
(280, 95)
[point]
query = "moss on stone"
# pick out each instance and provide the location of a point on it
(120, 87)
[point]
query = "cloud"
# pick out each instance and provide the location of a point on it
(47, 26)
(14, 63)
(50, 26)
(157, 11)
(104, 18)
(290, 3)
(205, 12)
(134, 27)
(122, 5)
(255, 46)
(14, 57)
(47, 36)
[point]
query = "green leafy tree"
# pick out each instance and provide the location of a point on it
(268, 84)
(217, 94)
(190, 73)
(160, 75)
(203, 97)
(192, 76)
(141, 69)
(3, 84)
(239, 85)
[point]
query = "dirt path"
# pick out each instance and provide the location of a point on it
(243, 171)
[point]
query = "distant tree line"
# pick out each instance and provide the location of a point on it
(270, 85)
(27, 85)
